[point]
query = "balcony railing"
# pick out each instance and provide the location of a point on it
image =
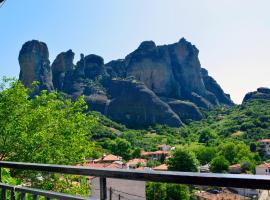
(190, 178)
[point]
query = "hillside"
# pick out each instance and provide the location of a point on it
(248, 122)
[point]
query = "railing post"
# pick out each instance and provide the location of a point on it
(110, 193)
(3, 194)
(12, 194)
(0, 174)
(103, 188)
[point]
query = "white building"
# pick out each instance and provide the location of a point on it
(265, 146)
(263, 169)
(164, 147)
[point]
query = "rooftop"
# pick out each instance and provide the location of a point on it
(136, 161)
(149, 153)
(222, 195)
(264, 140)
(235, 166)
(263, 165)
(108, 158)
(162, 167)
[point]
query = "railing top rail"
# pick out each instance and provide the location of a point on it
(44, 193)
(210, 179)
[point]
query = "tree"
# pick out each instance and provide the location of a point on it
(183, 160)
(253, 147)
(177, 191)
(204, 154)
(121, 147)
(43, 129)
(219, 164)
(207, 135)
(156, 191)
(229, 151)
(163, 191)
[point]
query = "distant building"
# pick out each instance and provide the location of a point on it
(265, 146)
(136, 162)
(235, 169)
(263, 169)
(108, 159)
(155, 155)
(162, 167)
(164, 147)
(204, 168)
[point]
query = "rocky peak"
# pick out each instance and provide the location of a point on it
(62, 66)
(35, 65)
(262, 93)
(147, 45)
(264, 90)
(91, 66)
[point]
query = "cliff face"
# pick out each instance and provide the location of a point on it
(154, 84)
(172, 71)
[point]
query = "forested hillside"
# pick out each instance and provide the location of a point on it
(49, 128)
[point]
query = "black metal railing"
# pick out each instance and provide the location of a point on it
(190, 178)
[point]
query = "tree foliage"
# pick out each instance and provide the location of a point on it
(183, 160)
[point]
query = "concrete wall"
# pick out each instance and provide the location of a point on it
(120, 187)
(262, 171)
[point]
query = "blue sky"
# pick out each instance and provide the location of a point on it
(233, 36)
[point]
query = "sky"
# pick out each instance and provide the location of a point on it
(233, 36)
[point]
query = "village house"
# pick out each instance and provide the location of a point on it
(164, 147)
(204, 168)
(108, 159)
(263, 169)
(155, 155)
(161, 154)
(265, 146)
(235, 169)
(136, 162)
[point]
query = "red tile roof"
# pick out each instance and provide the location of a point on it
(154, 153)
(235, 166)
(264, 165)
(108, 158)
(136, 161)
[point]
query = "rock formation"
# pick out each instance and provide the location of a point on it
(35, 65)
(172, 71)
(262, 93)
(152, 85)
